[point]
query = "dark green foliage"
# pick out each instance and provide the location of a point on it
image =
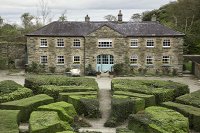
(9, 121)
(35, 68)
(89, 71)
(47, 122)
(158, 120)
(193, 113)
(124, 130)
(27, 105)
(149, 99)
(16, 95)
(52, 69)
(3, 63)
(118, 68)
(65, 110)
(54, 91)
(122, 107)
(190, 99)
(8, 86)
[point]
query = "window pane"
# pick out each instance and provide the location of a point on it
(60, 42)
(77, 59)
(77, 43)
(105, 43)
(134, 42)
(43, 42)
(166, 60)
(150, 43)
(43, 59)
(166, 43)
(133, 59)
(60, 60)
(149, 60)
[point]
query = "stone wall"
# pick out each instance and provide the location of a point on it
(197, 70)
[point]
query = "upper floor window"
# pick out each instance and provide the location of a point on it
(77, 60)
(166, 60)
(105, 43)
(166, 43)
(43, 42)
(43, 59)
(77, 43)
(149, 60)
(60, 42)
(60, 60)
(133, 60)
(150, 43)
(134, 43)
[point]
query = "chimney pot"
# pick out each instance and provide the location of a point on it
(87, 18)
(120, 16)
(154, 18)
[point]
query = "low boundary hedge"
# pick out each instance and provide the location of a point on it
(158, 120)
(193, 113)
(190, 99)
(27, 105)
(124, 130)
(47, 122)
(8, 86)
(9, 121)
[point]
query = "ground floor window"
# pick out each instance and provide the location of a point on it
(60, 60)
(43, 59)
(77, 59)
(166, 60)
(133, 60)
(149, 60)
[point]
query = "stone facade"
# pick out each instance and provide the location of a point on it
(89, 50)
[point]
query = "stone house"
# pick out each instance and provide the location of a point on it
(102, 44)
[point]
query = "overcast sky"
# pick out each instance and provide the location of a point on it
(11, 10)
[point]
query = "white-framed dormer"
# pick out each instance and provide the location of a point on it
(166, 43)
(133, 43)
(43, 42)
(150, 43)
(60, 42)
(105, 43)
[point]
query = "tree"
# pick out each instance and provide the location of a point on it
(63, 16)
(1, 21)
(136, 17)
(27, 20)
(44, 10)
(110, 18)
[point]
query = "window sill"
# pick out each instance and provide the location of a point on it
(134, 65)
(75, 47)
(43, 46)
(60, 46)
(150, 46)
(166, 65)
(133, 46)
(166, 47)
(60, 64)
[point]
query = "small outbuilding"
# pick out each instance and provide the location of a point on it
(195, 64)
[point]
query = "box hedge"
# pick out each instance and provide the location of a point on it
(65, 110)
(34, 81)
(193, 113)
(8, 86)
(149, 99)
(124, 130)
(163, 90)
(85, 104)
(158, 120)
(122, 107)
(53, 90)
(20, 93)
(27, 105)
(47, 122)
(9, 121)
(190, 99)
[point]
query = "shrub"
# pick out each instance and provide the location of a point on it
(52, 69)
(3, 63)
(122, 107)
(16, 95)
(54, 91)
(191, 112)
(149, 99)
(158, 120)
(9, 121)
(8, 86)
(35, 68)
(27, 105)
(87, 105)
(89, 71)
(118, 68)
(190, 99)
(47, 122)
(65, 110)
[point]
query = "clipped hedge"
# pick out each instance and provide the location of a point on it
(8, 86)
(27, 105)
(149, 99)
(54, 91)
(163, 90)
(158, 120)
(85, 104)
(190, 99)
(193, 113)
(47, 122)
(122, 107)
(9, 121)
(34, 81)
(65, 110)
(124, 130)
(20, 93)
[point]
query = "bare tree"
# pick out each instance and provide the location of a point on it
(110, 18)
(63, 16)
(44, 10)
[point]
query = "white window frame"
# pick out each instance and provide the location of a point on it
(150, 41)
(43, 42)
(60, 60)
(132, 58)
(43, 59)
(134, 43)
(149, 59)
(105, 43)
(60, 42)
(76, 59)
(77, 43)
(166, 43)
(166, 60)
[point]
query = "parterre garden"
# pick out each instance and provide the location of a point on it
(52, 103)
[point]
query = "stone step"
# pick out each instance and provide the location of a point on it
(24, 127)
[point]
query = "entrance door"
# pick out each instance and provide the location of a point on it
(104, 63)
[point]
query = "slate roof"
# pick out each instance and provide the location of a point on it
(70, 28)
(194, 58)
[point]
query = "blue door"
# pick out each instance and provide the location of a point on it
(104, 63)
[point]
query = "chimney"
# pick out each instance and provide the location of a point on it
(154, 18)
(120, 16)
(87, 18)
